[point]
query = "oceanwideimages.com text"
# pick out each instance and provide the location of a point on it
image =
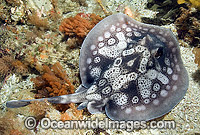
(46, 123)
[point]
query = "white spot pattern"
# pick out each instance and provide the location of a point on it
(171, 43)
(100, 38)
(169, 71)
(152, 74)
(163, 93)
(128, 110)
(168, 87)
(153, 95)
(140, 48)
(118, 61)
(178, 68)
(106, 90)
(94, 52)
(122, 80)
(145, 93)
(161, 77)
(107, 34)
(137, 34)
(124, 26)
(128, 29)
(111, 51)
(146, 54)
(149, 37)
(152, 30)
(156, 87)
(120, 98)
(130, 63)
(140, 108)
(167, 61)
(174, 88)
(97, 60)
(111, 41)
(156, 102)
(121, 45)
(128, 52)
(92, 89)
(102, 82)
(89, 60)
(112, 28)
(92, 47)
(95, 72)
(144, 85)
(129, 34)
(175, 77)
(111, 74)
(100, 44)
(135, 99)
(119, 29)
(146, 101)
(120, 36)
(94, 97)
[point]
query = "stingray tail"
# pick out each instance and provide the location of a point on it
(65, 99)
(17, 103)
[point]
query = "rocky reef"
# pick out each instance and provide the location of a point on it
(40, 43)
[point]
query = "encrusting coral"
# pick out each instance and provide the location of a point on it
(53, 82)
(79, 25)
(188, 26)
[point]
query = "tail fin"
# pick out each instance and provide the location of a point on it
(65, 99)
(17, 103)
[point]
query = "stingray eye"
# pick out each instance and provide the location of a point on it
(159, 52)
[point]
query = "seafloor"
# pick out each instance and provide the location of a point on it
(30, 36)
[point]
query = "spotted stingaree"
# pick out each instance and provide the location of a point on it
(133, 69)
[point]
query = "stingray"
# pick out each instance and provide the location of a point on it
(129, 70)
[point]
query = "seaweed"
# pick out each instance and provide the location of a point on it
(188, 26)
(53, 82)
(168, 11)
